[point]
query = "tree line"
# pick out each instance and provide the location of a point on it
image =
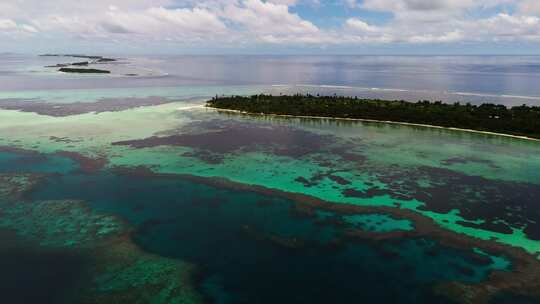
(519, 120)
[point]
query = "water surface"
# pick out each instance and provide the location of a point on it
(227, 193)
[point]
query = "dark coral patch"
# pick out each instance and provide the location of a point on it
(491, 226)
(532, 231)
(371, 192)
(340, 180)
(501, 204)
(466, 160)
(306, 182)
(68, 109)
(231, 137)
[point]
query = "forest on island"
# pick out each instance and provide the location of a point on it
(519, 120)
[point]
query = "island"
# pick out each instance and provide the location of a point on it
(74, 67)
(96, 59)
(84, 71)
(62, 65)
(523, 121)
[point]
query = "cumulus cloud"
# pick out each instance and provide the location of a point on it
(529, 7)
(397, 6)
(244, 22)
(7, 25)
(212, 20)
(449, 21)
(504, 27)
(361, 26)
(443, 38)
(158, 20)
(10, 26)
(267, 18)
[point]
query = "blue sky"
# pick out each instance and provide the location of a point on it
(272, 26)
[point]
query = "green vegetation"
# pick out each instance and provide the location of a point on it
(102, 59)
(84, 63)
(84, 71)
(522, 120)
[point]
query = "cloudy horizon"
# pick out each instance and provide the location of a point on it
(273, 26)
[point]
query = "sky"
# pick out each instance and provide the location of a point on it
(271, 26)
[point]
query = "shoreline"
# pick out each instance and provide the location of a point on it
(381, 121)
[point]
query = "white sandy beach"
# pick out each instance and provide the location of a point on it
(382, 121)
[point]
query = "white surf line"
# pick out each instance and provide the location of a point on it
(190, 107)
(381, 121)
(375, 89)
(495, 95)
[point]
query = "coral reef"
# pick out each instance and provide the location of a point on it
(120, 272)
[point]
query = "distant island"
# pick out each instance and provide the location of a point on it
(84, 71)
(62, 65)
(95, 59)
(75, 67)
(517, 121)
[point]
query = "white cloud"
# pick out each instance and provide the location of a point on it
(430, 38)
(193, 20)
(204, 21)
(284, 2)
(361, 26)
(152, 23)
(504, 27)
(267, 18)
(243, 22)
(498, 28)
(397, 6)
(529, 7)
(28, 28)
(10, 26)
(7, 25)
